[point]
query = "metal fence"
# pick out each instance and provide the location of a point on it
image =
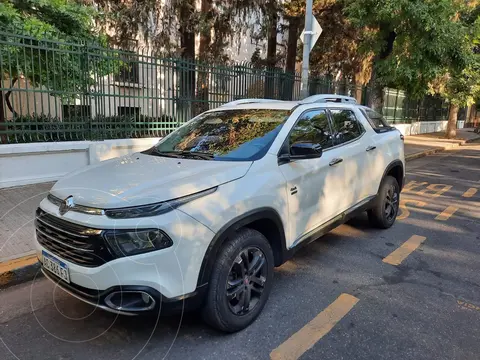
(60, 91)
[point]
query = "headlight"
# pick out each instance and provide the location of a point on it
(154, 209)
(132, 242)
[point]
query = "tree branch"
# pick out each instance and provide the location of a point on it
(7, 97)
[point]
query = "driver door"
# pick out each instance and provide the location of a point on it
(312, 184)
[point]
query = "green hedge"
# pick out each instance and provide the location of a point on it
(43, 128)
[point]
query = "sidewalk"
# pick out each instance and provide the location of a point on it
(17, 207)
(426, 144)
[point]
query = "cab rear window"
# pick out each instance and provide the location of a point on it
(376, 120)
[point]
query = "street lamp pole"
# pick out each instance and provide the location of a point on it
(306, 48)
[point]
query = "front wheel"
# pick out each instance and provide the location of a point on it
(240, 283)
(385, 210)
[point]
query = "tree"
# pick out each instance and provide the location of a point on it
(218, 22)
(461, 90)
(461, 86)
(293, 12)
(336, 53)
(46, 25)
(412, 42)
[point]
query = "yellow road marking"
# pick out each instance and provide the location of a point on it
(467, 305)
(469, 193)
(413, 185)
(403, 207)
(436, 189)
(17, 263)
(321, 325)
(409, 246)
(445, 215)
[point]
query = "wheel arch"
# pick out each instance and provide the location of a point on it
(395, 169)
(265, 220)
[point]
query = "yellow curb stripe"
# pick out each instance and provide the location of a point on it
(409, 246)
(17, 263)
(469, 193)
(321, 325)
(447, 213)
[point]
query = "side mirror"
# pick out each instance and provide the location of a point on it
(305, 151)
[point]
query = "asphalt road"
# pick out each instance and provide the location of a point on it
(427, 307)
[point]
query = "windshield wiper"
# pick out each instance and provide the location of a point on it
(156, 152)
(182, 154)
(197, 154)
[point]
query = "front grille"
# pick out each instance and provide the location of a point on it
(76, 243)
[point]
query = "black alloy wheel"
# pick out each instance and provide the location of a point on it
(391, 203)
(246, 280)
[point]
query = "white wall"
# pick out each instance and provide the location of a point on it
(22, 164)
(423, 127)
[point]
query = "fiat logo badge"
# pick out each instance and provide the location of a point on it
(66, 205)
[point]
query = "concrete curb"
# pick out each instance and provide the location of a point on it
(424, 153)
(471, 140)
(19, 270)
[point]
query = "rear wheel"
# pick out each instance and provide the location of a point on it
(241, 282)
(385, 210)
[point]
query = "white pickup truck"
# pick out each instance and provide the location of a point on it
(201, 219)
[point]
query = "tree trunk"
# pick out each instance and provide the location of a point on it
(271, 49)
(205, 33)
(358, 93)
(203, 54)
(451, 132)
(375, 94)
(7, 98)
(187, 35)
(3, 138)
(375, 98)
(272, 33)
(291, 60)
(186, 68)
(293, 26)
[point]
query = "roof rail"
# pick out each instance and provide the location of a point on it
(249, 101)
(323, 98)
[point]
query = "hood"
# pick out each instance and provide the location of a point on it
(141, 179)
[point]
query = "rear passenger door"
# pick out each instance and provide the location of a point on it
(349, 140)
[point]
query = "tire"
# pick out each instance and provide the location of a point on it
(228, 313)
(385, 210)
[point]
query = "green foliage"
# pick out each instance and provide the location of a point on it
(49, 19)
(461, 86)
(414, 41)
(43, 41)
(337, 49)
(45, 128)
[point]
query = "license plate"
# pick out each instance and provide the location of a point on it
(55, 266)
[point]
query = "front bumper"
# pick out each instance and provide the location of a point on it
(172, 272)
(160, 304)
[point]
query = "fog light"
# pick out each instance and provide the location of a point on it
(130, 301)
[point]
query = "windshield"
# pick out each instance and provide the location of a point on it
(227, 135)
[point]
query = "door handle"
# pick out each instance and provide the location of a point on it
(335, 161)
(370, 148)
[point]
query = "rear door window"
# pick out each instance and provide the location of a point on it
(346, 126)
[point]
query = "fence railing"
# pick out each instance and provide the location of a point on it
(59, 91)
